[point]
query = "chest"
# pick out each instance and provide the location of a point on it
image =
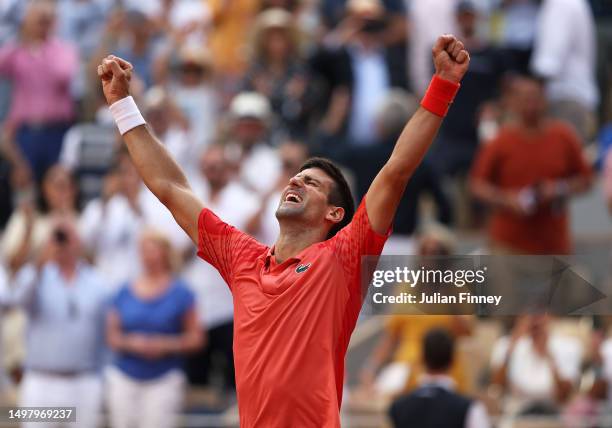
(292, 292)
(529, 160)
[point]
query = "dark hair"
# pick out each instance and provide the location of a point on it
(340, 195)
(438, 349)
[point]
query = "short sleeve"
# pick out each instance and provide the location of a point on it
(577, 163)
(355, 240)
(223, 245)
(499, 352)
(485, 164)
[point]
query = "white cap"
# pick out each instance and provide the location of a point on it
(250, 104)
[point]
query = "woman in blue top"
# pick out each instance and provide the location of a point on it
(152, 324)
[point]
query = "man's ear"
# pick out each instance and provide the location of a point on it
(335, 214)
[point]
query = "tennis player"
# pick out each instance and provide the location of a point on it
(296, 303)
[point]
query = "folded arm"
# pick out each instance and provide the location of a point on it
(383, 196)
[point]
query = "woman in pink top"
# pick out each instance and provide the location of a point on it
(40, 69)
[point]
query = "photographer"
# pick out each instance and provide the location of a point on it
(64, 299)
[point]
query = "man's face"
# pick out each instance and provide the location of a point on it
(530, 99)
(249, 130)
(214, 167)
(306, 198)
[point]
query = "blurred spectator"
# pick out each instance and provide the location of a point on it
(373, 70)
(188, 74)
(259, 164)
(170, 125)
(333, 17)
(608, 179)
(278, 71)
(567, 61)
(29, 228)
(527, 174)
(82, 22)
(231, 21)
(65, 301)
(434, 403)
(110, 225)
(395, 364)
(222, 194)
(42, 106)
(151, 326)
(130, 34)
(458, 138)
(538, 368)
(517, 24)
(428, 19)
(264, 225)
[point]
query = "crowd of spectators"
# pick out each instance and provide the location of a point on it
(97, 280)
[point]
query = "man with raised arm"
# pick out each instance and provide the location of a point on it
(296, 303)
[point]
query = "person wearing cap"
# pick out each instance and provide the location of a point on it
(250, 119)
(296, 303)
(188, 72)
(277, 70)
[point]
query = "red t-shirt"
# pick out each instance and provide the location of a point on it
(292, 321)
(516, 159)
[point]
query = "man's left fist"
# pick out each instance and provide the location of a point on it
(451, 60)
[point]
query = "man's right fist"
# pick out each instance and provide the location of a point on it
(115, 74)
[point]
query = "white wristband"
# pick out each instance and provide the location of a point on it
(126, 114)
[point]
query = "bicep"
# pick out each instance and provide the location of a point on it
(185, 208)
(383, 198)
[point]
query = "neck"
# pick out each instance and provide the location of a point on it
(67, 268)
(293, 239)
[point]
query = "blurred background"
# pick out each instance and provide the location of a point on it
(104, 304)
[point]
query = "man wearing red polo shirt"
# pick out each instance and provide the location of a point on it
(295, 304)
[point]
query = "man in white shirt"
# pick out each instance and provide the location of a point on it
(259, 164)
(539, 369)
(236, 205)
(565, 55)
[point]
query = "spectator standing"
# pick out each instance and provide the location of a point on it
(527, 174)
(458, 138)
(567, 61)
(278, 71)
(65, 300)
(221, 192)
(517, 28)
(151, 325)
(110, 225)
(29, 228)
(259, 165)
(434, 403)
(192, 81)
(42, 106)
(538, 368)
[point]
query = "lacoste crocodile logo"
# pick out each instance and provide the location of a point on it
(302, 268)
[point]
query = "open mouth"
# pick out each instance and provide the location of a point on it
(293, 198)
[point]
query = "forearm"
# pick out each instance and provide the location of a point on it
(488, 194)
(160, 173)
(413, 143)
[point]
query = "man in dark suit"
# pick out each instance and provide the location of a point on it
(434, 404)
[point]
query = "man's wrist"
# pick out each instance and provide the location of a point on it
(126, 114)
(439, 95)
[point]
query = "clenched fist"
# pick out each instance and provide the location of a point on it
(115, 74)
(451, 60)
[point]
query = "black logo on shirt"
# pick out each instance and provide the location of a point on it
(302, 268)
